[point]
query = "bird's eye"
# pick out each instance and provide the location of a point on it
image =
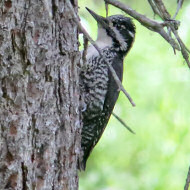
(123, 27)
(111, 24)
(120, 27)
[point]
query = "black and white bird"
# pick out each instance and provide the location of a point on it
(98, 88)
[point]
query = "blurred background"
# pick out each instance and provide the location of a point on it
(157, 157)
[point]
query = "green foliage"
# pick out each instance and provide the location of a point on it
(157, 157)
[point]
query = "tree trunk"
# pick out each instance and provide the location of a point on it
(39, 98)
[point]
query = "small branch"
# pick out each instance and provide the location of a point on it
(179, 5)
(106, 7)
(123, 123)
(172, 25)
(153, 6)
(164, 14)
(145, 21)
(187, 180)
(184, 49)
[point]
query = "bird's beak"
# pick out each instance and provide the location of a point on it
(104, 22)
(100, 20)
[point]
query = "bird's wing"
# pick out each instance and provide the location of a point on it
(93, 127)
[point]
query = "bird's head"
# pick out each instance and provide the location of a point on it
(117, 30)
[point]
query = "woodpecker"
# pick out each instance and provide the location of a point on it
(98, 88)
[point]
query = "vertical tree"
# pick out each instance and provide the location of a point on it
(39, 98)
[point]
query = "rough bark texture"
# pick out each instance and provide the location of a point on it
(39, 99)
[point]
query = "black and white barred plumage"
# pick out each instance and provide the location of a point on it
(98, 87)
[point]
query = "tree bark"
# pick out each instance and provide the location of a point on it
(39, 97)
